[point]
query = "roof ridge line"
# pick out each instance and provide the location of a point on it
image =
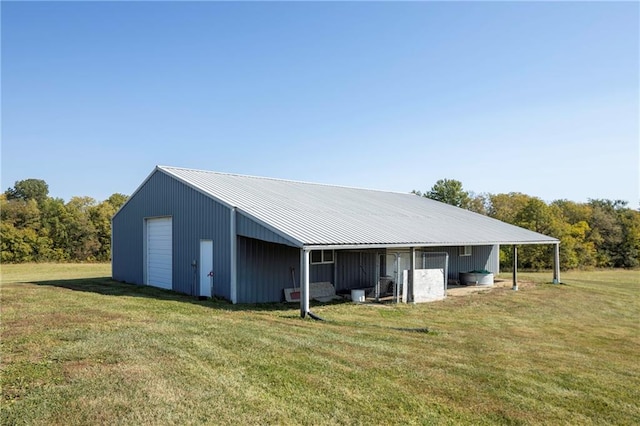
(281, 179)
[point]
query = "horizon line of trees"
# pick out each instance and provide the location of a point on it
(599, 233)
(37, 228)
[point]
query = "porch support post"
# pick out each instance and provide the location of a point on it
(304, 282)
(556, 263)
(515, 268)
(335, 268)
(412, 267)
(377, 283)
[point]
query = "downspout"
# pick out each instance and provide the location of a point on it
(515, 268)
(396, 277)
(304, 282)
(556, 263)
(446, 272)
(305, 266)
(412, 270)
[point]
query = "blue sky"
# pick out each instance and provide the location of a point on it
(540, 97)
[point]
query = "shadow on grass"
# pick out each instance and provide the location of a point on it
(109, 287)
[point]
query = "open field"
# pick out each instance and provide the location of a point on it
(78, 348)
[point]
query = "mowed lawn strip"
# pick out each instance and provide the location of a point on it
(87, 350)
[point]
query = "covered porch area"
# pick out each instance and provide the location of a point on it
(396, 274)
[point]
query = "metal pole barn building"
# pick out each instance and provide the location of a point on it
(246, 238)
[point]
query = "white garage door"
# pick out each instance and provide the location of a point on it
(159, 258)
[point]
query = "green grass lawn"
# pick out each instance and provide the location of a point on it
(78, 348)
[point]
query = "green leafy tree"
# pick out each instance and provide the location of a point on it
(56, 220)
(537, 216)
(20, 213)
(36, 227)
(29, 189)
(479, 203)
(573, 212)
(616, 233)
(117, 200)
(22, 237)
(100, 216)
(583, 249)
(629, 249)
(506, 207)
(83, 236)
(449, 191)
(607, 233)
(17, 245)
(577, 250)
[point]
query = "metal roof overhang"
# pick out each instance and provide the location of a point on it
(298, 242)
(418, 245)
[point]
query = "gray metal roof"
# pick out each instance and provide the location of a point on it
(311, 214)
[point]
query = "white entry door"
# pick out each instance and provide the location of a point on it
(206, 267)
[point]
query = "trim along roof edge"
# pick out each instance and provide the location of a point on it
(229, 206)
(419, 245)
(273, 229)
(184, 175)
(155, 169)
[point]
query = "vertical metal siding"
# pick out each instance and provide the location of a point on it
(195, 217)
(264, 270)
(482, 257)
(493, 264)
(321, 273)
(127, 246)
(263, 267)
(249, 228)
(355, 269)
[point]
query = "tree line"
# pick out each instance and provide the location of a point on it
(598, 233)
(37, 228)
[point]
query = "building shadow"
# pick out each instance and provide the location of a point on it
(108, 287)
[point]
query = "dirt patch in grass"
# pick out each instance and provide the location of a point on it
(499, 284)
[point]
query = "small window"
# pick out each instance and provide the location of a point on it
(465, 251)
(322, 256)
(327, 256)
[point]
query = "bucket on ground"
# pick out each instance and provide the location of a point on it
(357, 296)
